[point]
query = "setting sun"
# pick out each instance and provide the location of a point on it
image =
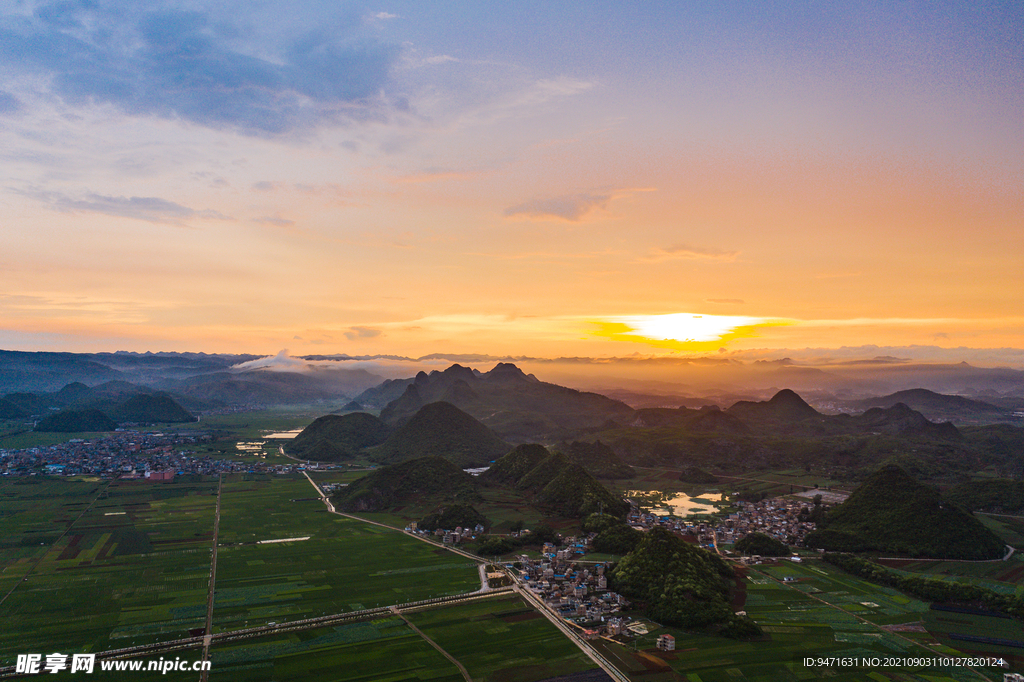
(682, 331)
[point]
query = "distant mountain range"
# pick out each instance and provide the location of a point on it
(77, 407)
(784, 431)
(936, 406)
(86, 413)
(197, 380)
(211, 380)
(515, 405)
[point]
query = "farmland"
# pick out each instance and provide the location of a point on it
(96, 565)
(502, 639)
(127, 562)
(497, 639)
(99, 565)
(344, 566)
(806, 610)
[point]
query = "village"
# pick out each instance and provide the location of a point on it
(577, 589)
(783, 518)
(128, 454)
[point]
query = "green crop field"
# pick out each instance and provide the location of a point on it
(498, 640)
(120, 563)
(386, 650)
(502, 640)
(338, 475)
(1003, 577)
(962, 630)
(252, 425)
(345, 565)
(114, 564)
(1009, 528)
(819, 612)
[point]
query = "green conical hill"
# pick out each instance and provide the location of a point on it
(70, 421)
(9, 410)
(145, 408)
(998, 495)
(516, 464)
(453, 516)
(895, 514)
(441, 429)
(545, 472)
(72, 393)
(599, 459)
(677, 583)
(575, 493)
(784, 405)
(435, 478)
(333, 437)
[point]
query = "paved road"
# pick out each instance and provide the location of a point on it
(210, 638)
(330, 507)
(569, 632)
(229, 636)
(462, 668)
(530, 598)
(213, 581)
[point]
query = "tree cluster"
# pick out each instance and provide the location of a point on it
(929, 589)
(680, 584)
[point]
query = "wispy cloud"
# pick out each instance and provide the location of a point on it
(725, 300)
(179, 64)
(572, 207)
(149, 209)
(435, 175)
(275, 221)
(362, 333)
(686, 252)
(282, 362)
(267, 186)
(9, 104)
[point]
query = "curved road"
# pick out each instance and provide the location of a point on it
(528, 596)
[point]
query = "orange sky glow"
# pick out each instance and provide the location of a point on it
(847, 177)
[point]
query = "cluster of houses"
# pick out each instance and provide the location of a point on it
(577, 592)
(448, 537)
(126, 454)
(778, 517)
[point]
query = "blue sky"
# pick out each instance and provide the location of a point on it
(509, 177)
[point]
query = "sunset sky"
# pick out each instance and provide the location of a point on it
(551, 179)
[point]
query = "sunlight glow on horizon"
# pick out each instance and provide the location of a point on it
(513, 181)
(687, 327)
(684, 331)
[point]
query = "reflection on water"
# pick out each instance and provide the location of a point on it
(675, 504)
